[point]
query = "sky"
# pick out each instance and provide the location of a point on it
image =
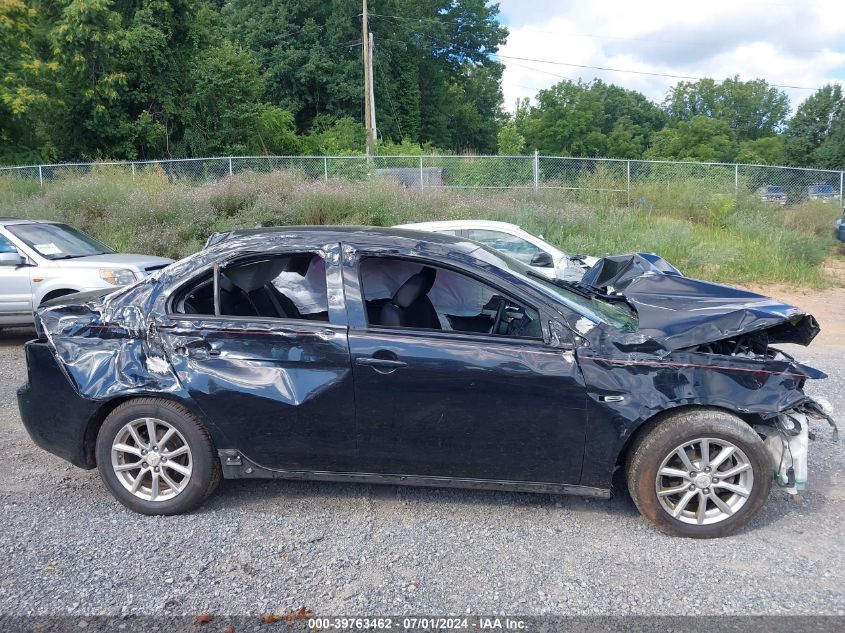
(799, 43)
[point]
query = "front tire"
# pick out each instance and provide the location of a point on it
(156, 457)
(699, 473)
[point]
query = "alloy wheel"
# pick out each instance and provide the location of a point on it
(151, 459)
(704, 481)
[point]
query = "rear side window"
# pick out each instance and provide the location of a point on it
(290, 286)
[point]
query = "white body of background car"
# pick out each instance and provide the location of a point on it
(513, 241)
(34, 278)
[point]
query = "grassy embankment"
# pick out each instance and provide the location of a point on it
(709, 235)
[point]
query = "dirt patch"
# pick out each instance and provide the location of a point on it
(835, 266)
(828, 306)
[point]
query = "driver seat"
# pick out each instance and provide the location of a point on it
(410, 305)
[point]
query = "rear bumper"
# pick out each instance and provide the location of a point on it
(53, 413)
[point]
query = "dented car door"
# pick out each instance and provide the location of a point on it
(277, 387)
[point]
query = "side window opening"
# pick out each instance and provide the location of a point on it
(290, 286)
(399, 293)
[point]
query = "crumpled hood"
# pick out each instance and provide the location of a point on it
(617, 271)
(680, 312)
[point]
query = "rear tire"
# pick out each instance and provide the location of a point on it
(156, 457)
(699, 473)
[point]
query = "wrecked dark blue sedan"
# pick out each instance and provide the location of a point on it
(394, 356)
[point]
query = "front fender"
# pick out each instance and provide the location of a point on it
(626, 392)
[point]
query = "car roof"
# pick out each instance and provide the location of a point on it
(8, 221)
(371, 234)
(456, 224)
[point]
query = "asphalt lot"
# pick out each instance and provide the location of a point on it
(256, 547)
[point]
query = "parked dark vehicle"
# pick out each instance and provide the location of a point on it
(396, 356)
(772, 194)
(822, 193)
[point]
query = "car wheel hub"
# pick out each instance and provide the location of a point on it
(151, 459)
(704, 481)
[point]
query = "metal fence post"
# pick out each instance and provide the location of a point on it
(230, 165)
(736, 179)
(841, 178)
(841, 182)
(133, 170)
(536, 170)
(326, 167)
(40, 177)
(628, 179)
(422, 185)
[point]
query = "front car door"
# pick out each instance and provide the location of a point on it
(15, 289)
(271, 370)
(451, 399)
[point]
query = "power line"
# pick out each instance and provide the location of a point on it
(570, 64)
(620, 70)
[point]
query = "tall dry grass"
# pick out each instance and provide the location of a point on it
(707, 234)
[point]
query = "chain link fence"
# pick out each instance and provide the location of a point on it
(631, 182)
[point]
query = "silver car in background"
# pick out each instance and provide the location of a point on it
(42, 260)
(544, 258)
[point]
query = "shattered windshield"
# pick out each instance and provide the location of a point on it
(597, 310)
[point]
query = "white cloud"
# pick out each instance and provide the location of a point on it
(797, 44)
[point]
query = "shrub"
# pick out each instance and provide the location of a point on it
(703, 230)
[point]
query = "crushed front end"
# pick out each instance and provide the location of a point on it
(696, 343)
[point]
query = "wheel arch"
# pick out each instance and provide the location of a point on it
(647, 424)
(56, 293)
(92, 429)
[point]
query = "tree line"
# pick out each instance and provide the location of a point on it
(147, 79)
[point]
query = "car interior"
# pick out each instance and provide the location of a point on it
(399, 293)
(282, 287)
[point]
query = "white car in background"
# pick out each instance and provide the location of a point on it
(530, 249)
(42, 260)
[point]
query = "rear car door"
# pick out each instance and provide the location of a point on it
(15, 289)
(271, 371)
(445, 398)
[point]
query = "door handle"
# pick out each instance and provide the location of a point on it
(381, 363)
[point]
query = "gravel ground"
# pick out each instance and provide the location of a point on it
(274, 546)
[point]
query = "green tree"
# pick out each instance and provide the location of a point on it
(435, 80)
(274, 133)
(831, 153)
(86, 46)
(223, 109)
(701, 138)
(769, 150)
(510, 141)
(752, 109)
(26, 78)
(589, 119)
(624, 141)
(816, 123)
(342, 136)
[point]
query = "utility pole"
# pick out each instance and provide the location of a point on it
(369, 93)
